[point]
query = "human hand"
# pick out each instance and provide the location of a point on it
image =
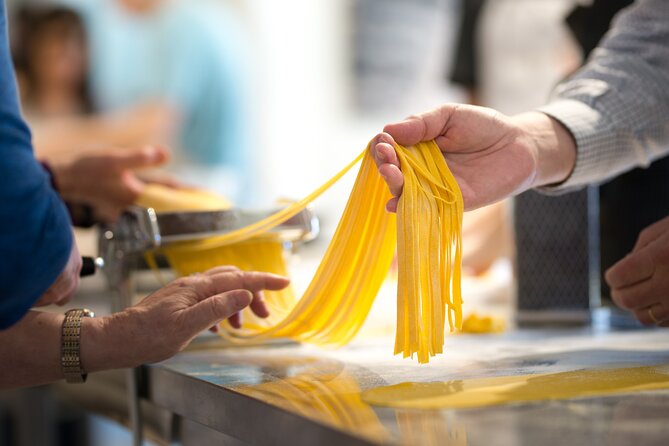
(640, 281)
(60, 292)
(492, 156)
(106, 179)
(165, 322)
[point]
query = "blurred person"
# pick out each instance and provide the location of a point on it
(51, 59)
(40, 264)
(610, 116)
(191, 58)
(509, 54)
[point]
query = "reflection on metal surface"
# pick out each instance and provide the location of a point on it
(318, 389)
(215, 377)
(521, 388)
(430, 428)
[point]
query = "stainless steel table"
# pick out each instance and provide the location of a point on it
(302, 395)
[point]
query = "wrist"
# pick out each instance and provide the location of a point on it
(63, 179)
(552, 145)
(106, 343)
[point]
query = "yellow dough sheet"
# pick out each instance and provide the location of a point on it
(469, 393)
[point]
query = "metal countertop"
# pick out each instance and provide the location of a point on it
(298, 394)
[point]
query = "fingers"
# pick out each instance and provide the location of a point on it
(258, 305)
(640, 295)
(656, 314)
(634, 268)
(224, 278)
(210, 311)
(230, 277)
(423, 127)
(391, 205)
(640, 281)
(633, 282)
(388, 164)
(249, 280)
(652, 233)
(236, 320)
(383, 150)
(148, 156)
(221, 269)
(393, 177)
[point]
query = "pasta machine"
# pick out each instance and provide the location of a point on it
(122, 246)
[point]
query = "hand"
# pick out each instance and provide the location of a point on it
(640, 281)
(491, 155)
(105, 179)
(60, 292)
(165, 322)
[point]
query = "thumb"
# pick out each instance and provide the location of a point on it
(407, 132)
(144, 157)
(423, 127)
(213, 309)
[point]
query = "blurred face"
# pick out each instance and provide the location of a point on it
(59, 56)
(140, 6)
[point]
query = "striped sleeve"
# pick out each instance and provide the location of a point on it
(617, 105)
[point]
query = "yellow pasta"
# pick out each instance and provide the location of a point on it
(323, 391)
(481, 392)
(168, 199)
(258, 254)
(338, 299)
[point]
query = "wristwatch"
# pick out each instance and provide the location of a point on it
(70, 345)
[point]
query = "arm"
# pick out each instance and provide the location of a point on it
(617, 105)
(155, 329)
(35, 234)
(151, 122)
(614, 110)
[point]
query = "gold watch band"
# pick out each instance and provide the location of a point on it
(70, 345)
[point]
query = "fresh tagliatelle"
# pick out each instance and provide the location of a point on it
(426, 232)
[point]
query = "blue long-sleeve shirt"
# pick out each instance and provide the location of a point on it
(35, 234)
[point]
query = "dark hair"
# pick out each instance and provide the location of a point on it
(28, 29)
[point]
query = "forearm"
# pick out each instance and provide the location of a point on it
(617, 105)
(31, 349)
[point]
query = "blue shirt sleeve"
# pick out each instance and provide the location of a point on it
(35, 233)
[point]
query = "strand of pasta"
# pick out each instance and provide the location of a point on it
(427, 233)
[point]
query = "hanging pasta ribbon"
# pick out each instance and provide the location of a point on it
(426, 232)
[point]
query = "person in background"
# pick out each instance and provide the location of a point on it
(610, 116)
(40, 264)
(50, 53)
(190, 58)
(509, 54)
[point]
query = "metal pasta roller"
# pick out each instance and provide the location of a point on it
(122, 246)
(138, 230)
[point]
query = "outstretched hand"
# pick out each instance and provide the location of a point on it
(492, 156)
(165, 322)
